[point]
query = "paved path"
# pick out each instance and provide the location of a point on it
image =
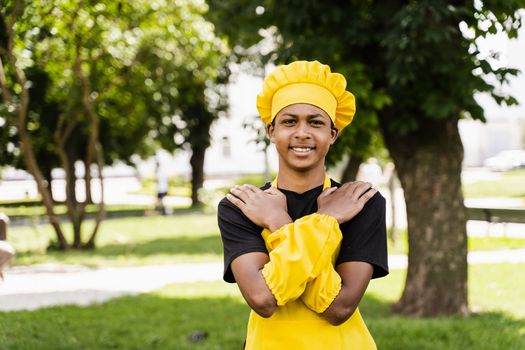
(33, 287)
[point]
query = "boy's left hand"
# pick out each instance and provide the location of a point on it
(264, 208)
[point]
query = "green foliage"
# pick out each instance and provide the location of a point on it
(409, 58)
(133, 75)
(310, 30)
(181, 69)
(156, 73)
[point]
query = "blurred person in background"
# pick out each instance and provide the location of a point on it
(371, 171)
(7, 252)
(162, 183)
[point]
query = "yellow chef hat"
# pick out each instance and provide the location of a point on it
(306, 82)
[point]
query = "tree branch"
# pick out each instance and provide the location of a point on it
(18, 9)
(21, 117)
(3, 83)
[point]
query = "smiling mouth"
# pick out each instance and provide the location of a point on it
(302, 149)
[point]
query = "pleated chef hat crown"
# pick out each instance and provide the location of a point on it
(306, 82)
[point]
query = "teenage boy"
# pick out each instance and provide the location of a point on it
(304, 248)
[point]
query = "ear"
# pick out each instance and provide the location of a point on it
(334, 132)
(270, 129)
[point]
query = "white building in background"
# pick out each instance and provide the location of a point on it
(484, 140)
(233, 149)
(505, 126)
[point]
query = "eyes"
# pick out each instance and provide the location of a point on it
(315, 122)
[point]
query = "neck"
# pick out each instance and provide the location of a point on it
(300, 182)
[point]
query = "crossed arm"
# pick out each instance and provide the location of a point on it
(355, 277)
(247, 268)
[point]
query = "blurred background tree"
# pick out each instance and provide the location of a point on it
(414, 67)
(98, 82)
(182, 71)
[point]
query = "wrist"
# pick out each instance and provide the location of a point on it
(276, 222)
(320, 211)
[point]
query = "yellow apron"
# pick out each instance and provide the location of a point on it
(298, 275)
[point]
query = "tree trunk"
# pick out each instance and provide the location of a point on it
(21, 121)
(391, 185)
(71, 176)
(90, 244)
(67, 157)
(351, 169)
(49, 179)
(429, 168)
(94, 148)
(87, 181)
(32, 167)
(197, 175)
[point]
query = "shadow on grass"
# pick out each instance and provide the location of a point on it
(167, 322)
(179, 245)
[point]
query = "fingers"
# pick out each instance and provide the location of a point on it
(272, 190)
(328, 192)
(358, 190)
(360, 187)
(236, 201)
(367, 195)
(251, 188)
(239, 193)
(244, 192)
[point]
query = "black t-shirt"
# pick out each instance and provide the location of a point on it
(364, 237)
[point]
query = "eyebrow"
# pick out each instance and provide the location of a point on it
(314, 115)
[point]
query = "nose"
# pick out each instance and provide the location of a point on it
(302, 131)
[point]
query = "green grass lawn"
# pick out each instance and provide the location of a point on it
(149, 240)
(32, 211)
(177, 186)
(511, 184)
(167, 318)
(476, 243)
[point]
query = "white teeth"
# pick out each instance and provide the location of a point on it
(301, 149)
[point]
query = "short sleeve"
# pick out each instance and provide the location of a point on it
(239, 235)
(364, 237)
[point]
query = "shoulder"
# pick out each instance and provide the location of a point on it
(377, 202)
(227, 209)
(372, 215)
(374, 210)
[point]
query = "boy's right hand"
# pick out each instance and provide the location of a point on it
(345, 202)
(267, 208)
